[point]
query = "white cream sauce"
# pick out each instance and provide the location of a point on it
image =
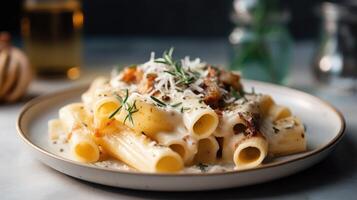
(186, 99)
(60, 147)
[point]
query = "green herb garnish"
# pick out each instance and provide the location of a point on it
(131, 109)
(238, 94)
(167, 58)
(235, 94)
(176, 104)
(184, 109)
(115, 112)
(158, 102)
(122, 102)
(181, 75)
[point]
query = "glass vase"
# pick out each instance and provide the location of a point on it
(261, 46)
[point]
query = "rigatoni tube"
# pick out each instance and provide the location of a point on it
(207, 150)
(140, 152)
(285, 136)
(245, 152)
(103, 110)
(277, 112)
(201, 122)
(77, 122)
(183, 144)
(82, 147)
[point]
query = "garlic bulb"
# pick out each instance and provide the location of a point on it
(15, 71)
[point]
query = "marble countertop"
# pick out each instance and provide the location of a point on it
(23, 177)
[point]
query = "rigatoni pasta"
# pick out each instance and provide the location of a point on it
(102, 110)
(245, 151)
(166, 116)
(200, 122)
(140, 152)
(285, 136)
(277, 112)
(82, 146)
(182, 143)
(77, 123)
(207, 150)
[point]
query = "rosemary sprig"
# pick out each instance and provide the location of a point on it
(126, 96)
(158, 102)
(167, 58)
(238, 94)
(176, 104)
(182, 76)
(131, 109)
(122, 102)
(184, 109)
(235, 94)
(115, 112)
(241, 93)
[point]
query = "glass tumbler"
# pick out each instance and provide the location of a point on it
(51, 31)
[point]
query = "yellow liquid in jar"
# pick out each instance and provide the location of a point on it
(52, 36)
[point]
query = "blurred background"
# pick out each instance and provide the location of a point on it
(198, 18)
(296, 43)
(310, 45)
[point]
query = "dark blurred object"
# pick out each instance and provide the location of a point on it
(335, 61)
(5, 39)
(158, 17)
(261, 42)
(52, 34)
(15, 72)
(187, 18)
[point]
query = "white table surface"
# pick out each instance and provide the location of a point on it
(23, 177)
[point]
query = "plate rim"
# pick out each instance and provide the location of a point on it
(39, 99)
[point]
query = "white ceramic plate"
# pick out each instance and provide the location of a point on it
(325, 127)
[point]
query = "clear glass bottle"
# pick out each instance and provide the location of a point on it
(51, 30)
(261, 43)
(335, 59)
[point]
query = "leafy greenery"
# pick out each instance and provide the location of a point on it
(263, 51)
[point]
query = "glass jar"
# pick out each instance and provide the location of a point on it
(51, 30)
(260, 41)
(335, 59)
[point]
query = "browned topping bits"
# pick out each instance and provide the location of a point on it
(130, 75)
